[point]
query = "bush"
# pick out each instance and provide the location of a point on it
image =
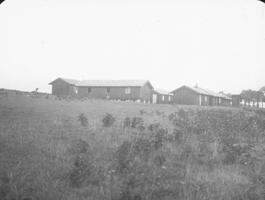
(85, 172)
(123, 156)
(142, 112)
(79, 146)
(153, 126)
(159, 113)
(127, 122)
(159, 160)
(108, 120)
(83, 119)
(141, 128)
(80, 172)
(171, 116)
(178, 135)
(182, 114)
(137, 121)
(159, 137)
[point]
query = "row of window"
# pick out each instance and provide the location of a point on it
(206, 99)
(163, 98)
(127, 90)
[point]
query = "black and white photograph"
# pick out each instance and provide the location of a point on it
(132, 100)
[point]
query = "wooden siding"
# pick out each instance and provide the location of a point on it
(236, 100)
(114, 93)
(146, 92)
(167, 98)
(225, 102)
(119, 93)
(185, 96)
(62, 89)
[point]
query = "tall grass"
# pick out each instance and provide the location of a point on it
(57, 149)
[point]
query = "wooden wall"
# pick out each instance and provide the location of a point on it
(185, 96)
(62, 89)
(146, 92)
(167, 98)
(114, 93)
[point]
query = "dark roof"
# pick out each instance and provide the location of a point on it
(106, 83)
(205, 92)
(67, 80)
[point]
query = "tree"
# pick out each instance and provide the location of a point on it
(259, 96)
(246, 95)
(252, 96)
(262, 90)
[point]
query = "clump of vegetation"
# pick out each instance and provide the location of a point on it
(83, 119)
(159, 112)
(127, 122)
(142, 112)
(153, 126)
(171, 116)
(178, 134)
(136, 122)
(108, 120)
(84, 171)
(79, 146)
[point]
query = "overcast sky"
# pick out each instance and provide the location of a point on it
(220, 45)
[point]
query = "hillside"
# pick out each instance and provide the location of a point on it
(95, 149)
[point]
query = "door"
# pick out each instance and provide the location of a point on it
(211, 101)
(154, 100)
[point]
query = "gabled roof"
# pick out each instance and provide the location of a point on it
(224, 96)
(204, 92)
(106, 83)
(114, 83)
(67, 80)
(162, 91)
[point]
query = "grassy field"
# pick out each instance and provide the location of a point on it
(93, 149)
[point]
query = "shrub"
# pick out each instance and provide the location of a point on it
(142, 112)
(235, 152)
(158, 138)
(127, 122)
(182, 114)
(178, 135)
(159, 113)
(123, 156)
(153, 126)
(79, 146)
(108, 120)
(159, 160)
(171, 116)
(80, 172)
(137, 121)
(141, 128)
(83, 119)
(142, 148)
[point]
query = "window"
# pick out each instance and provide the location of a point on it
(88, 90)
(169, 98)
(75, 90)
(127, 90)
(205, 98)
(108, 90)
(163, 98)
(220, 101)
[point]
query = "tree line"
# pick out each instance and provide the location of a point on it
(253, 96)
